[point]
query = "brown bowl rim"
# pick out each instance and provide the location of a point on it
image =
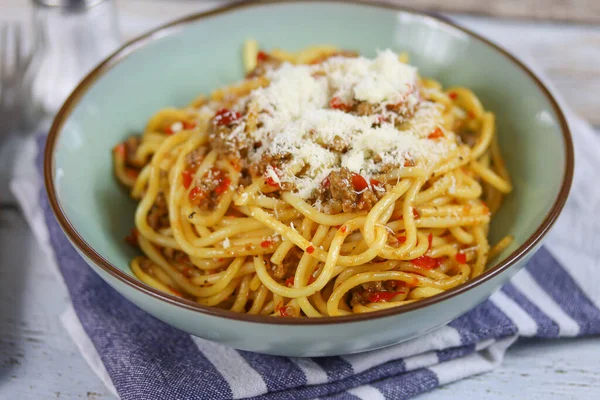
(130, 281)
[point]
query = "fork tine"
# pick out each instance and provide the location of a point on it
(3, 66)
(17, 39)
(3, 53)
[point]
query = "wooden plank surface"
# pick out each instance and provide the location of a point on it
(568, 54)
(39, 361)
(587, 11)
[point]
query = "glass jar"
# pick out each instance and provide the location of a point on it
(73, 36)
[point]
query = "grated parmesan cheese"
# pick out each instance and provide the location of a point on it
(176, 127)
(295, 118)
(270, 172)
(384, 79)
(226, 243)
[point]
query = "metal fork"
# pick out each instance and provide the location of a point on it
(15, 80)
(18, 113)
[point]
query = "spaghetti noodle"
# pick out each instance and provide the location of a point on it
(322, 184)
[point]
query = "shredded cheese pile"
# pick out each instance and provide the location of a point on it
(296, 117)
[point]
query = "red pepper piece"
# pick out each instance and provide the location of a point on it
(377, 297)
(132, 173)
(436, 134)
(196, 194)
(262, 56)
(236, 164)
(187, 177)
(187, 125)
(132, 238)
(289, 282)
(337, 104)
(226, 117)
(426, 262)
(223, 186)
(283, 310)
(359, 183)
(271, 182)
(120, 149)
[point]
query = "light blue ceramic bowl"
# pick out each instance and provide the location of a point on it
(170, 66)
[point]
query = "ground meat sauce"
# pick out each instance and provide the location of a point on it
(195, 158)
(402, 110)
(275, 161)
(467, 137)
(128, 150)
(245, 177)
(363, 108)
(372, 292)
(181, 261)
(340, 194)
(337, 193)
(207, 193)
(396, 241)
(337, 144)
(287, 269)
(131, 145)
(146, 266)
(225, 143)
(158, 216)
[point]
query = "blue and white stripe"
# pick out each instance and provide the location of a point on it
(145, 358)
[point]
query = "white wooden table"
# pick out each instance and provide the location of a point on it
(39, 361)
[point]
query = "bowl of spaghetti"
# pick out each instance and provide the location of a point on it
(324, 191)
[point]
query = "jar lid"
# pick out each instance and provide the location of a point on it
(68, 4)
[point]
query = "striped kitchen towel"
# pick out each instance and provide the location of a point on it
(139, 357)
